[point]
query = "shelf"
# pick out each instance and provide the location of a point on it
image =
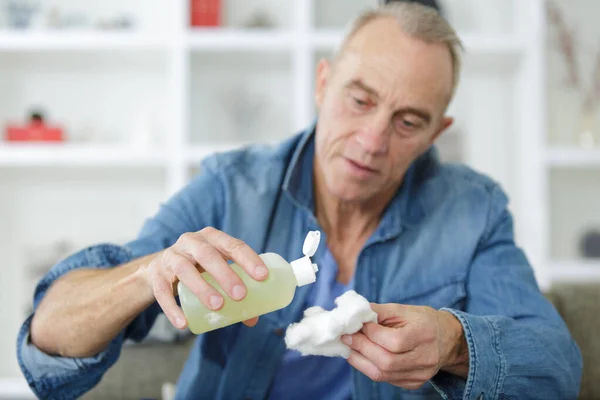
(78, 41)
(239, 40)
(572, 157)
(575, 271)
(324, 39)
(15, 388)
(71, 155)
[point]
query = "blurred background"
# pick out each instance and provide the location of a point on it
(108, 106)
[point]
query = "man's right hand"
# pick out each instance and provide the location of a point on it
(206, 250)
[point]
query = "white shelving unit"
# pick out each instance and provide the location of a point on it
(499, 109)
(82, 41)
(560, 179)
(572, 158)
(581, 271)
(69, 155)
(228, 40)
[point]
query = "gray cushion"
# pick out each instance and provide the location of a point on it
(579, 305)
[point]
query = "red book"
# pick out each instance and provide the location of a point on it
(33, 132)
(205, 12)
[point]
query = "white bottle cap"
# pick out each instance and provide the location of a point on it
(304, 269)
(311, 243)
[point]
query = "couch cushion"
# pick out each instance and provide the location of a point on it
(579, 305)
(141, 371)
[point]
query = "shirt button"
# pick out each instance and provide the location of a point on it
(278, 332)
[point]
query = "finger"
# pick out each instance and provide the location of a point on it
(238, 251)
(187, 273)
(251, 322)
(408, 384)
(391, 313)
(365, 366)
(384, 360)
(395, 340)
(163, 293)
(213, 262)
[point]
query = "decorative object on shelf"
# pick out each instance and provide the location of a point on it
(589, 93)
(119, 22)
(590, 244)
(261, 20)
(20, 13)
(71, 20)
(205, 13)
(36, 129)
(23, 14)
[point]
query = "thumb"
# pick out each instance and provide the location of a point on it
(390, 312)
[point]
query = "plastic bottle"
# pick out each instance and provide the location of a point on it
(262, 297)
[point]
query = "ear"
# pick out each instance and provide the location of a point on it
(322, 76)
(445, 124)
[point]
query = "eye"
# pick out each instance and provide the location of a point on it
(408, 126)
(360, 102)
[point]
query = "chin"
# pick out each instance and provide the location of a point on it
(348, 192)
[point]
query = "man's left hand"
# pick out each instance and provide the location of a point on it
(409, 345)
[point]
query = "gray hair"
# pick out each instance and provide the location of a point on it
(418, 21)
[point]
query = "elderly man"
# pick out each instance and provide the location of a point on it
(430, 245)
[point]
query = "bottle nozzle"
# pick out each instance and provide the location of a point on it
(304, 269)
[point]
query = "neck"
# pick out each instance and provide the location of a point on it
(346, 221)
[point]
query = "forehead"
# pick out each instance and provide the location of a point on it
(398, 66)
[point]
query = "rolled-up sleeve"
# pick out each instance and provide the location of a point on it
(52, 376)
(519, 346)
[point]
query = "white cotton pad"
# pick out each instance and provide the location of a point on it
(320, 331)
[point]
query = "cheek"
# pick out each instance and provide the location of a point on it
(404, 151)
(335, 126)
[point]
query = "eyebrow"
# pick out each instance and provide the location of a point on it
(358, 83)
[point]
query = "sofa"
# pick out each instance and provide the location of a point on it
(150, 370)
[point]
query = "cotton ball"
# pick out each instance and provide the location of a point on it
(320, 331)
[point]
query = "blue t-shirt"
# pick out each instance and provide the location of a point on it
(316, 377)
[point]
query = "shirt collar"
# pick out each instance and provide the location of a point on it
(298, 181)
(403, 211)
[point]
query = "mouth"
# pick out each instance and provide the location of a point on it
(360, 170)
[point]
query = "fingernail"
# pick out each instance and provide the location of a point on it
(347, 340)
(261, 271)
(180, 322)
(216, 301)
(238, 292)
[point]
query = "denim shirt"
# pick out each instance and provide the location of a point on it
(444, 241)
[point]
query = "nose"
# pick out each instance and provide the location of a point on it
(374, 137)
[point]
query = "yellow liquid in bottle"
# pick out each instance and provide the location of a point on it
(262, 297)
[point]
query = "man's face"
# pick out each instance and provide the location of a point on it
(381, 105)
